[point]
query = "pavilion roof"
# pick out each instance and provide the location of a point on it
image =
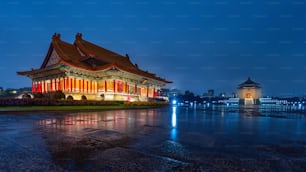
(88, 56)
(249, 83)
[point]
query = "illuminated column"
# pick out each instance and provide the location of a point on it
(46, 86)
(74, 85)
(71, 84)
(135, 89)
(92, 83)
(87, 86)
(90, 86)
(125, 87)
(33, 90)
(56, 84)
(43, 86)
(96, 86)
(93, 86)
(51, 85)
(83, 85)
(80, 85)
(147, 91)
(34, 87)
(72, 80)
(64, 83)
(39, 87)
(59, 87)
(154, 92)
(114, 86)
(68, 84)
(105, 86)
(61, 84)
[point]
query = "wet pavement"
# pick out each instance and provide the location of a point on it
(166, 139)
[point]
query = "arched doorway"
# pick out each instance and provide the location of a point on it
(69, 97)
(83, 97)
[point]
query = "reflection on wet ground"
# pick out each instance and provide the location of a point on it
(167, 139)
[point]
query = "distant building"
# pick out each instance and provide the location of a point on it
(169, 93)
(249, 92)
(210, 94)
(83, 70)
(222, 95)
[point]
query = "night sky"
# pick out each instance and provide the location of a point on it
(199, 45)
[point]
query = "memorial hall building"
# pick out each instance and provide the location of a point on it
(249, 92)
(83, 70)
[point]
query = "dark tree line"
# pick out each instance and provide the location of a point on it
(189, 96)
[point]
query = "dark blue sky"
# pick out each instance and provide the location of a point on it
(199, 45)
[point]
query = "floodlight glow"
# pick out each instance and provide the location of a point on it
(174, 102)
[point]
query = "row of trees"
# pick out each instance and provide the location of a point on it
(57, 95)
(10, 92)
(191, 97)
(26, 93)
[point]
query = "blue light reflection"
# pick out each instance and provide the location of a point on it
(173, 118)
(173, 132)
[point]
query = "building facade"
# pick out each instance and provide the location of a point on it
(83, 70)
(249, 92)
